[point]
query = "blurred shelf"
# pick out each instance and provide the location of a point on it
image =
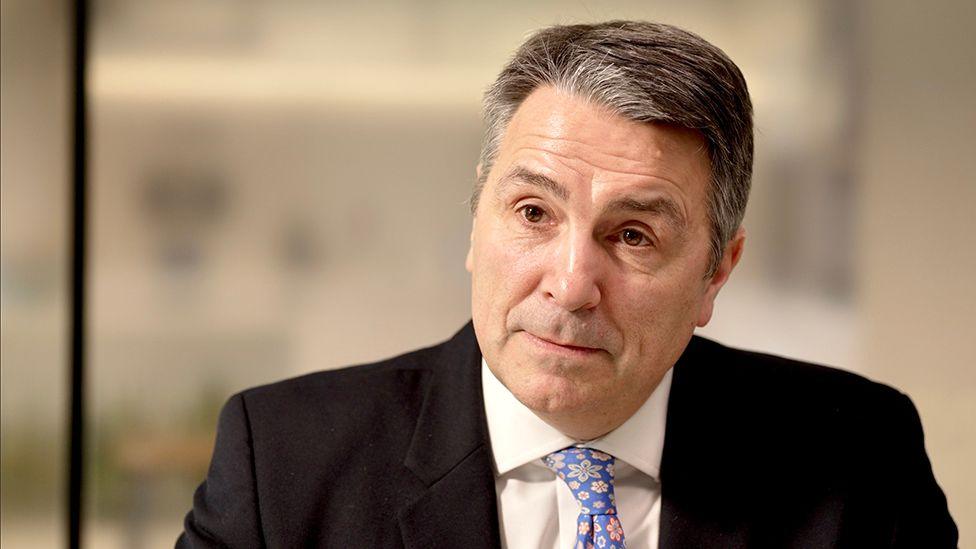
(257, 82)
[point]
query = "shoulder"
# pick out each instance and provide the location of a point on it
(787, 415)
(776, 405)
(345, 395)
(785, 383)
(387, 394)
(340, 382)
(787, 438)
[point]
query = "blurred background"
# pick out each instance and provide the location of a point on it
(280, 187)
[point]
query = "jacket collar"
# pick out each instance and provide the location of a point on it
(451, 454)
(701, 484)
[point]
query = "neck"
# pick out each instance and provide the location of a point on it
(589, 424)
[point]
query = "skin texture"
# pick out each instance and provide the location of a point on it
(589, 250)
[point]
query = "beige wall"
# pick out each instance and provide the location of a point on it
(916, 229)
(35, 111)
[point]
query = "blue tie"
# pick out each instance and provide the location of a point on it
(589, 474)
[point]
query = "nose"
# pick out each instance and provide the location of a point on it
(574, 276)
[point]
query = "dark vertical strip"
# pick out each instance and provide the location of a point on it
(76, 465)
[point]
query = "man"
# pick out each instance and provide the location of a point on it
(578, 409)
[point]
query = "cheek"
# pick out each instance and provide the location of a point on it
(503, 275)
(657, 312)
(507, 266)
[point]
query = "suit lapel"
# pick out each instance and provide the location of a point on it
(450, 453)
(701, 490)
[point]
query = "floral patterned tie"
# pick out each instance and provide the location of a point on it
(589, 474)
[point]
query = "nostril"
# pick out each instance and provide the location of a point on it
(574, 293)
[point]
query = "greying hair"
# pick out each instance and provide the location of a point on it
(647, 72)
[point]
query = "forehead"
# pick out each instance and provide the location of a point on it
(577, 141)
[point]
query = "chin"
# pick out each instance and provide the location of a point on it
(550, 393)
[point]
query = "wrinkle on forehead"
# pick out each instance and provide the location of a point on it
(607, 169)
(571, 115)
(571, 152)
(558, 123)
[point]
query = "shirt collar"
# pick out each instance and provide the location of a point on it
(519, 437)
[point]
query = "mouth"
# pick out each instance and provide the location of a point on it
(564, 348)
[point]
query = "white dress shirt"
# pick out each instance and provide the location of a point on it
(535, 508)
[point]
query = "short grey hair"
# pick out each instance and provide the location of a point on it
(647, 72)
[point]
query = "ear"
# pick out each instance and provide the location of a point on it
(469, 260)
(733, 251)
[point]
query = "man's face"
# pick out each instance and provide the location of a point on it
(589, 251)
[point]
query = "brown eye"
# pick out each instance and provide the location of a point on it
(632, 237)
(532, 214)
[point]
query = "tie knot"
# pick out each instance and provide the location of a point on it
(589, 474)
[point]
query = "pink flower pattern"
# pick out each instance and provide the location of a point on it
(584, 470)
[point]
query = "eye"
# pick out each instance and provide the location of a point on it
(532, 213)
(633, 237)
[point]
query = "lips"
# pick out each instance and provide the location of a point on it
(546, 342)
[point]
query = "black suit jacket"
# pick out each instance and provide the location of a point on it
(759, 451)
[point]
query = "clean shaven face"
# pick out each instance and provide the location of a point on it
(589, 254)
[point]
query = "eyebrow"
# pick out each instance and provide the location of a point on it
(521, 175)
(660, 206)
